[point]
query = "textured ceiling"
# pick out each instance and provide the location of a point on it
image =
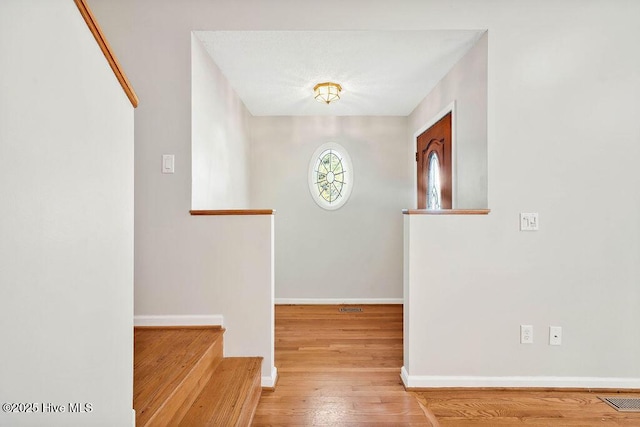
(382, 73)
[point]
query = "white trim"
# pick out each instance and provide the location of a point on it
(334, 301)
(179, 320)
(436, 381)
(270, 381)
(404, 376)
(451, 108)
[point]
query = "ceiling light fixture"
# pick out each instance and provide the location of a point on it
(327, 92)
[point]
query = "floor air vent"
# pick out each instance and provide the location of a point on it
(350, 309)
(623, 404)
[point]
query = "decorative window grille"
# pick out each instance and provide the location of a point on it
(330, 176)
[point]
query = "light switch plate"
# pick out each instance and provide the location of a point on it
(529, 221)
(168, 163)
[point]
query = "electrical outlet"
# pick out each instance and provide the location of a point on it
(526, 334)
(555, 335)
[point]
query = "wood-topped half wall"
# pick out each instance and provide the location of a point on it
(446, 211)
(233, 212)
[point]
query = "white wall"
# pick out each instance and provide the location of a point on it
(235, 280)
(563, 90)
(219, 135)
(563, 141)
(462, 321)
(66, 220)
(359, 245)
(466, 86)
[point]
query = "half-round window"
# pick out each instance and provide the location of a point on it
(330, 176)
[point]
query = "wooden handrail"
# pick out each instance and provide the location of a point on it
(233, 212)
(446, 211)
(90, 19)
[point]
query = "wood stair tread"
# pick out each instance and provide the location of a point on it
(230, 397)
(170, 368)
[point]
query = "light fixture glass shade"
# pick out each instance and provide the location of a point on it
(327, 92)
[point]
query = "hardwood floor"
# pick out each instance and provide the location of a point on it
(338, 369)
(321, 337)
(343, 369)
(489, 408)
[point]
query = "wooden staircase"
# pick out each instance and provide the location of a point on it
(181, 379)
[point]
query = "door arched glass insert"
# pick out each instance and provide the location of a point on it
(434, 188)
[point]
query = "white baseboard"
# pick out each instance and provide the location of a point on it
(134, 418)
(179, 320)
(436, 381)
(404, 376)
(270, 382)
(335, 301)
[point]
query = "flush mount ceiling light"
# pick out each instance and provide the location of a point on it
(327, 92)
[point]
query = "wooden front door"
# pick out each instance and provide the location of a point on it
(434, 166)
